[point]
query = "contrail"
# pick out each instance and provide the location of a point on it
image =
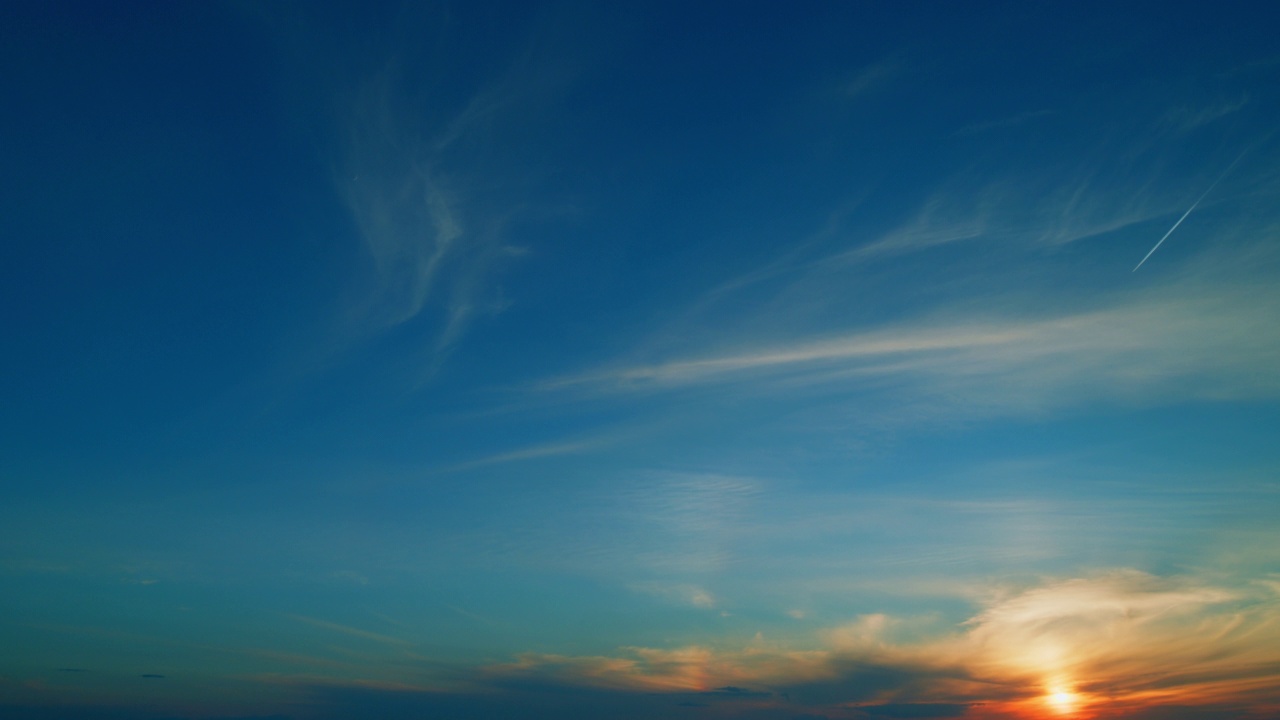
(1193, 207)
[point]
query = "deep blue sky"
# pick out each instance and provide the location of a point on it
(573, 360)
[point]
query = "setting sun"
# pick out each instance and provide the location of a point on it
(1063, 702)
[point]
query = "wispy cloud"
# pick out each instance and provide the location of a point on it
(352, 631)
(1071, 199)
(530, 452)
(406, 207)
(1189, 118)
(692, 520)
(1184, 341)
(684, 594)
(431, 199)
(1102, 181)
(1003, 123)
(873, 76)
(944, 218)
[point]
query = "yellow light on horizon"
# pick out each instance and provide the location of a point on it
(1062, 701)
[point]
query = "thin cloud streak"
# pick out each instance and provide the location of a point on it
(1022, 216)
(854, 347)
(354, 632)
(528, 453)
(1194, 205)
(1003, 123)
(1220, 345)
(1119, 184)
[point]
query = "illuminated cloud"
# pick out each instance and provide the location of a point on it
(1101, 646)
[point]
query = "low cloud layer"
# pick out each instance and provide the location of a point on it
(1101, 646)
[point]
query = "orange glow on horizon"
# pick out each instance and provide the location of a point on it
(1062, 700)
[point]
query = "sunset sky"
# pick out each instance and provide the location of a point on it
(779, 361)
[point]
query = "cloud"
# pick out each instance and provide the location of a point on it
(528, 453)
(917, 710)
(430, 194)
(683, 594)
(350, 576)
(1113, 644)
(537, 701)
(873, 76)
(1076, 200)
(1201, 341)
(946, 217)
(688, 669)
(404, 205)
(694, 520)
(1188, 118)
(79, 711)
(1004, 123)
(1049, 185)
(354, 632)
(1130, 639)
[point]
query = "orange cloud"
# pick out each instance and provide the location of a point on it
(1128, 640)
(1105, 646)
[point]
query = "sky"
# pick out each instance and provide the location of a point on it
(778, 361)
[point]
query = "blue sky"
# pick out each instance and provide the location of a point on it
(645, 360)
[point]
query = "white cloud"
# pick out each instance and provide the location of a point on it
(683, 594)
(687, 523)
(530, 452)
(874, 76)
(354, 632)
(430, 194)
(1190, 341)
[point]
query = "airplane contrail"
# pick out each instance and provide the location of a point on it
(1193, 207)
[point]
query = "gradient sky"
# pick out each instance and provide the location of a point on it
(640, 360)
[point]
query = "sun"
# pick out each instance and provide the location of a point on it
(1062, 701)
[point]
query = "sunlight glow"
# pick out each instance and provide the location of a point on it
(1062, 700)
